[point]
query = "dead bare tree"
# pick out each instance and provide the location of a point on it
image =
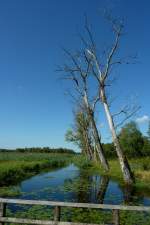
(78, 71)
(101, 74)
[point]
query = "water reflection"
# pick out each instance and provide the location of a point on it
(75, 185)
(104, 181)
(128, 194)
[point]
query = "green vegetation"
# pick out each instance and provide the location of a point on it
(15, 166)
(133, 143)
(140, 167)
(82, 162)
(78, 186)
(136, 147)
(131, 140)
(79, 135)
(82, 215)
(18, 165)
(40, 150)
(9, 191)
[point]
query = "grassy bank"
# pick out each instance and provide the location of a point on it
(15, 167)
(140, 168)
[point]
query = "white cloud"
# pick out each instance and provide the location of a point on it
(143, 119)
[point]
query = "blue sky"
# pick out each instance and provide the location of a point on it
(33, 108)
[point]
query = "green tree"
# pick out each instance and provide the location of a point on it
(80, 134)
(146, 147)
(148, 132)
(131, 140)
(109, 150)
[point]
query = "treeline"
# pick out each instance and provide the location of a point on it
(133, 142)
(40, 150)
(140, 151)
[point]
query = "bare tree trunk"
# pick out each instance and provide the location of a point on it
(88, 146)
(127, 174)
(87, 153)
(99, 146)
(95, 153)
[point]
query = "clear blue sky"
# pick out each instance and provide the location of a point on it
(33, 108)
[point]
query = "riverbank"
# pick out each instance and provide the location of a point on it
(77, 184)
(139, 166)
(15, 167)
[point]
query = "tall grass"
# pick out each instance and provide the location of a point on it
(82, 162)
(17, 166)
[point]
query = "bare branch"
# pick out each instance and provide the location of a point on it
(128, 117)
(112, 52)
(97, 98)
(75, 99)
(131, 59)
(76, 64)
(89, 32)
(124, 110)
(95, 75)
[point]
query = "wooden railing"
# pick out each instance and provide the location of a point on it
(57, 211)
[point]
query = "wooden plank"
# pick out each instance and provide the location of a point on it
(2, 211)
(57, 213)
(76, 205)
(40, 222)
(116, 218)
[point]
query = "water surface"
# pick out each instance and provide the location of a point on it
(75, 185)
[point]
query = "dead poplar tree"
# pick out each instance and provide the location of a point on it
(78, 71)
(102, 73)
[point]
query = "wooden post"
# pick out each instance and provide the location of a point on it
(2, 211)
(116, 219)
(57, 213)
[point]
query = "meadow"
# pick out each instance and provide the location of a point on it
(16, 166)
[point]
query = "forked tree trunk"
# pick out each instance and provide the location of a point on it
(125, 168)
